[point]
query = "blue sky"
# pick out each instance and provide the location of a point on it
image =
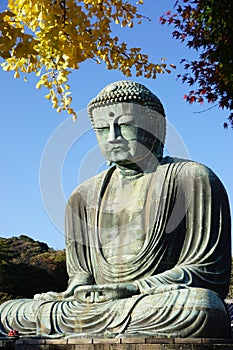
(36, 180)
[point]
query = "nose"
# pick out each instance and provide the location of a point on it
(114, 133)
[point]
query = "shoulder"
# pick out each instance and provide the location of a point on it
(187, 173)
(187, 167)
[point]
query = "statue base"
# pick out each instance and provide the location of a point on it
(75, 343)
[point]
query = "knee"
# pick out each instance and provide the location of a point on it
(189, 299)
(202, 298)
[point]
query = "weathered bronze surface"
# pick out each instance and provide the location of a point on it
(147, 241)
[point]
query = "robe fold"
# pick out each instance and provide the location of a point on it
(171, 239)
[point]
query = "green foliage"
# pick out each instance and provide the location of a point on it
(6, 252)
(29, 267)
(206, 26)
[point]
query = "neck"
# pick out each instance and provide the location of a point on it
(146, 165)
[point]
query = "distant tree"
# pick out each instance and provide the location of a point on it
(6, 252)
(52, 37)
(28, 267)
(206, 26)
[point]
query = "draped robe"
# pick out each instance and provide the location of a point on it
(179, 257)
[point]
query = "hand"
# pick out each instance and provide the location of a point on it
(105, 292)
(51, 296)
(67, 294)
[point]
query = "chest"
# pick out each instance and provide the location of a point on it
(123, 219)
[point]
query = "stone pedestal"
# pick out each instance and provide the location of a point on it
(75, 343)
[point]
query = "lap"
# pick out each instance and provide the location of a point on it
(185, 312)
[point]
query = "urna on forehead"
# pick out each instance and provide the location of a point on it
(126, 91)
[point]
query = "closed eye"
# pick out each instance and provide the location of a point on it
(128, 131)
(102, 129)
(127, 124)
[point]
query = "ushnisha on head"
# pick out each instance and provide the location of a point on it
(126, 91)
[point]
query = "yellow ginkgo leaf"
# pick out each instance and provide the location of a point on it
(50, 40)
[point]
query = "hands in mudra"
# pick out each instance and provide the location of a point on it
(90, 294)
(105, 292)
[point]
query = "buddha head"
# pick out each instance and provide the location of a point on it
(129, 121)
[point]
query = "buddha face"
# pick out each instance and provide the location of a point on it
(124, 132)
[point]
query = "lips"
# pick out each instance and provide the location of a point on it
(118, 148)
